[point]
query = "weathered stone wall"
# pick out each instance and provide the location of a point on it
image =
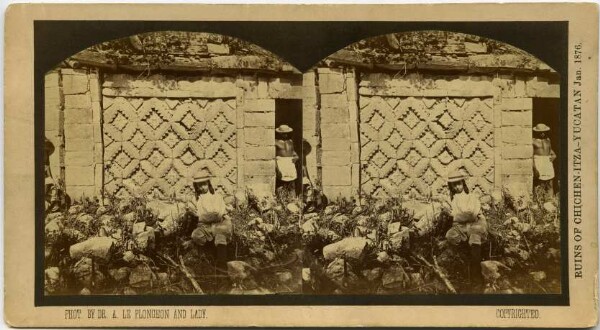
(53, 112)
(339, 150)
(494, 114)
(248, 156)
(310, 126)
(237, 115)
(256, 120)
(513, 125)
(72, 108)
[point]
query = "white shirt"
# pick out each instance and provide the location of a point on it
(210, 203)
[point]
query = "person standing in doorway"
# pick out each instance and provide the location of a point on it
(543, 158)
(286, 159)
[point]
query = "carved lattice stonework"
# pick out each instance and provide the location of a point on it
(156, 146)
(409, 145)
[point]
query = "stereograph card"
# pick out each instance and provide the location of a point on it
(301, 165)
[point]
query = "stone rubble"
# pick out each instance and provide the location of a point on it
(350, 248)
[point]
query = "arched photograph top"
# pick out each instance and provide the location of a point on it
(439, 50)
(179, 51)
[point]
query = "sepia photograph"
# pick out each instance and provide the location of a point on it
(418, 162)
(284, 165)
(437, 153)
(173, 167)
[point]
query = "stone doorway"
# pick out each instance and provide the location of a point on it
(547, 111)
(289, 112)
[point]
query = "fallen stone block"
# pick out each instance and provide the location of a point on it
(416, 279)
(124, 205)
(284, 277)
(120, 274)
(138, 227)
(168, 214)
(372, 275)
(362, 220)
(261, 196)
(51, 278)
(83, 273)
(385, 217)
(53, 227)
(350, 247)
(101, 210)
(239, 270)
(335, 269)
(357, 210)
(306, 274)
(400, 239)
(82, 268)
(490, 269)
(293, 208)
(255, 221)
(340, 219)
(383, 257)
(395, 278)
(141, 277)
(99, 247)
(85, 219)
(485, 199)
(517, 195)
(241, 199)
(372, 237)
(497, 196)
(266, 227)
(553, 254)
(129, 291)
(329, 210)
(394, 228)
(117, 234)
(79, 236)
(335, 272)
(309, 227)
(75, 209)
(54, 216)
(328, 235)
(361, 231)
(538, 276)
(256, 291)
(129, 218)
(162, 278)
(107, 220)
(549, 207)
(145, 239)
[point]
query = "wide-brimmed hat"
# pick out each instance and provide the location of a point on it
(202, 177)
(541, 128)
(284, 129)
(456, 176)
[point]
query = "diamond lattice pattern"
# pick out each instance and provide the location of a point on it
(156, 146)
(409, 145)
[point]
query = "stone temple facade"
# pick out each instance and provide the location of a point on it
(143, 115)
(393, 115)
(387, 116)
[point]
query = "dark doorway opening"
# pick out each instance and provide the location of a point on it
(289, 112)
(547, 111)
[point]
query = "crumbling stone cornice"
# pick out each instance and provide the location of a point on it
(180, 52)
(438, 51)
